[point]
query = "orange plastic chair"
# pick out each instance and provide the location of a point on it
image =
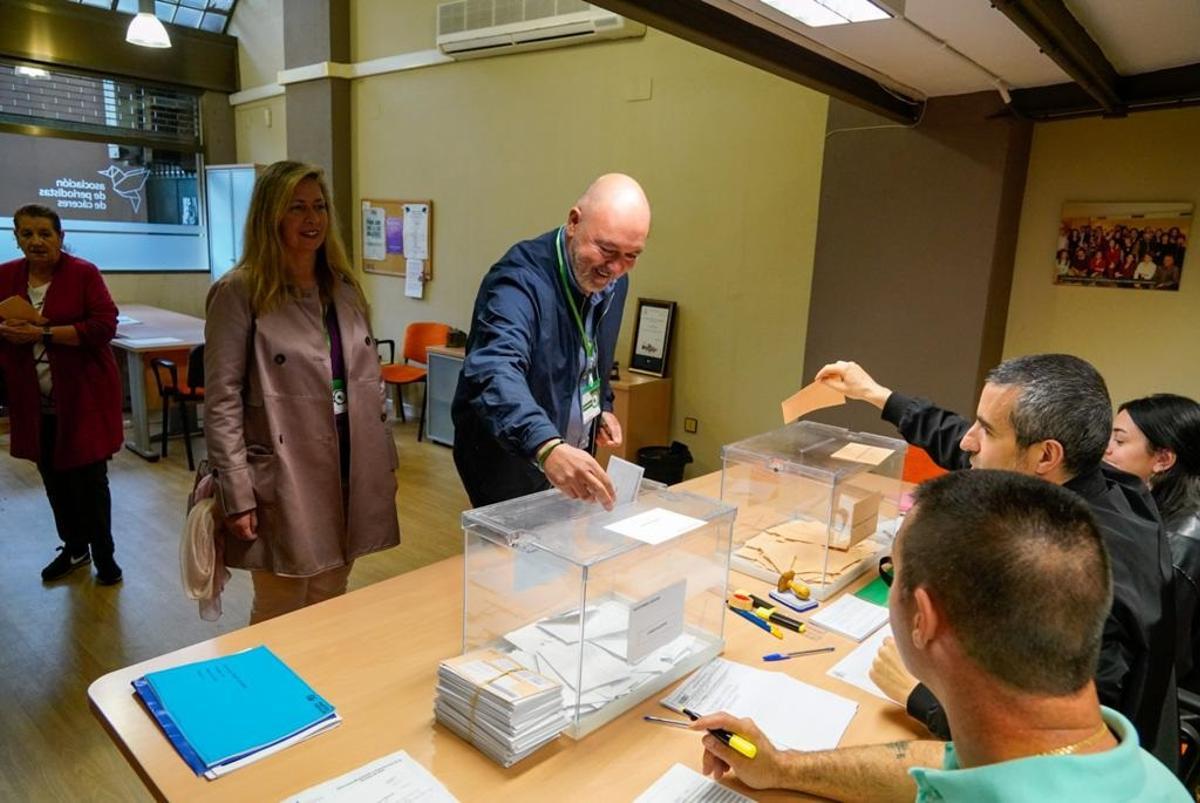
(418, 337)
(919, 466)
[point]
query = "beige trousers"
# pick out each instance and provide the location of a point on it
(275, 595)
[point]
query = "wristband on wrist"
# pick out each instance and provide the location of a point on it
(47, 336)
(545, 451)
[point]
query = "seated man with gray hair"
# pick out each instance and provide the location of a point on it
(1001, 594)
(1049, 416)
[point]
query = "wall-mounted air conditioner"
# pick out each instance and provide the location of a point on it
(474, 28)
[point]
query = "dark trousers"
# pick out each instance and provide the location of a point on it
(491, 475)
(79, 498)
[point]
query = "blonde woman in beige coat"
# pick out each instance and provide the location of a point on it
(294, 415)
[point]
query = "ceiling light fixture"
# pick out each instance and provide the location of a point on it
(30, 72)
(145, 29)
(820, 13)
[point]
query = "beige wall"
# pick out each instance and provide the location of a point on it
(180, 292)
(258, 26)
(1142, 341)
(730, 157)
(261, 131)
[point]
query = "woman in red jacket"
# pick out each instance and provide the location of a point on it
(64, 389)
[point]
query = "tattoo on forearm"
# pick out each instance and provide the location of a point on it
(899, 749)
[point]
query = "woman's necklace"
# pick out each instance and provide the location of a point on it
(1082, 743)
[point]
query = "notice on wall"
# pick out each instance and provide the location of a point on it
(416, 231)
(414, 278)
(374, 233)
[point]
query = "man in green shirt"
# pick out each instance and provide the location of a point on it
(1002, 585)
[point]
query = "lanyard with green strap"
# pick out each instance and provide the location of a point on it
(589, 348)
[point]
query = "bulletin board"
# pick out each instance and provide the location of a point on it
(397, 240)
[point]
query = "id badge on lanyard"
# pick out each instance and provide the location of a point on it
(589, 396)
(339, 397)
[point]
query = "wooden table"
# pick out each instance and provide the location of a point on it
(374, 654)
(152, 324)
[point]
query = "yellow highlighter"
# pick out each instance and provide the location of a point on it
(738, 743)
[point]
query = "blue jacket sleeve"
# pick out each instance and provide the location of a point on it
(495, 368)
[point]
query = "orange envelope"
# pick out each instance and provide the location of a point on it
(16, 308)
(812, 397)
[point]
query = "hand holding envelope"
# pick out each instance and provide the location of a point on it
(17, 308)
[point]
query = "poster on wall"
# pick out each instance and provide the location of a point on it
(1134, 245)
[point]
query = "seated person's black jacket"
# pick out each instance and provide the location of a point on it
(1137, 656)
(1183, 533)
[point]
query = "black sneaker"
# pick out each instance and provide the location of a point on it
(63, 565)
(108, 573)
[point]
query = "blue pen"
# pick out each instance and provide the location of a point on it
(759, 623)
(783, 656)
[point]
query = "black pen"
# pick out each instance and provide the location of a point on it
(738, 743)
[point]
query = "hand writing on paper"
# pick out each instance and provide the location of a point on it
(577, 474)
(244, 526)
(888, 673)
(760, 772)
(609, 432)
(849, 379)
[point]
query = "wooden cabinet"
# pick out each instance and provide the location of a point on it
(643, 406)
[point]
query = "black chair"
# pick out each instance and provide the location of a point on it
(170, 389)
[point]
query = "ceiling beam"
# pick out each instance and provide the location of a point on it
(1050, 24)
(720, 29)
(1160, 89)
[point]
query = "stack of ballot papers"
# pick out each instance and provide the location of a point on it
(225, 713)
(499, 706)
(607, 658)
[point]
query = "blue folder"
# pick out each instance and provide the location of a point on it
(224, 709)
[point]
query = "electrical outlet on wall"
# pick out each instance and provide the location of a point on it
(690, 425)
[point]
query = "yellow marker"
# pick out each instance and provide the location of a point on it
(738, 743)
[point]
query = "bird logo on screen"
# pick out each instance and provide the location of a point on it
(127, 183)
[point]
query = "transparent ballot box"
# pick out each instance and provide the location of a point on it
(648, 576)
(815, 499)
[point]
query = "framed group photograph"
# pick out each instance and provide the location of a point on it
(652, 336)
(1141, 246)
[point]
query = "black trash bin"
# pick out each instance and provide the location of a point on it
(664, 463)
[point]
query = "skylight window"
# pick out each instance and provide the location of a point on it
(820, 13)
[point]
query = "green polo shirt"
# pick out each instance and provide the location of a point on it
(1127, 772)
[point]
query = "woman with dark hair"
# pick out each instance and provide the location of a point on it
(1157, 438)
(64, 392)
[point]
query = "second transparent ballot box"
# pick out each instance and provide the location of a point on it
(615, 605)
(814, 499)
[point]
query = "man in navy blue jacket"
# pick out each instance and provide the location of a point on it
(533, 396)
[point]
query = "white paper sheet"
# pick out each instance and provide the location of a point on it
(414, 278)
(600, 667)
(681, 784)
(655, 526)
(793, 715)
(416, 231)
(602, 620)
(852, 617)
(145, 342)
(656, 620)
(374, 233)
(855, 668)
(626, 479)
(392, 779)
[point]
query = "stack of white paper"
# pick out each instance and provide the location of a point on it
(851, 617)
(793, 715)
(499, 706)
(616, 656)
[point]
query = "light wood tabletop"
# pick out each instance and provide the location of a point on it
(374, 654)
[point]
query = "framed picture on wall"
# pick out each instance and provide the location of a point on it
(1141, 246)
(652, 337)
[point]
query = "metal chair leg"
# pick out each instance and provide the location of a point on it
(187, 434)
(166, 420)
(399, 392)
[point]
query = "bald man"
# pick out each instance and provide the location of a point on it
(533, 397)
